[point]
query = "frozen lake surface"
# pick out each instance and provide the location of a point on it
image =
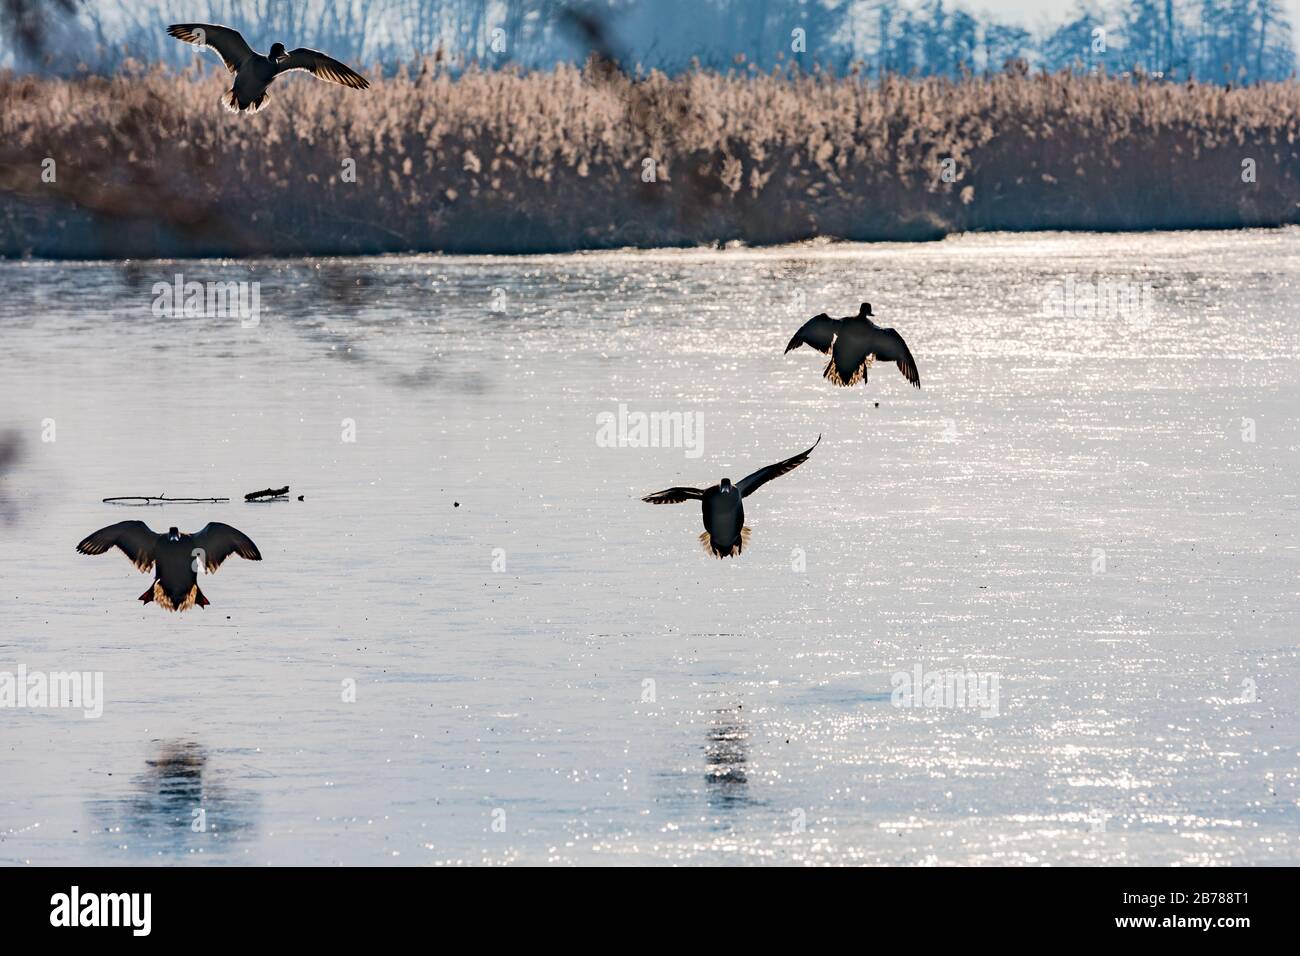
(1096, 511)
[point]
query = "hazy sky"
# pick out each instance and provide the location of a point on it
(1031, 13)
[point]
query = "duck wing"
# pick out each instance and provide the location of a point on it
(229, 44)
(819, 332)
(751, 483)
(673, 496)
(889, 346)
(219, 541)
(322, 67)
(135, 539)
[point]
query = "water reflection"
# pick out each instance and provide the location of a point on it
(347, 286)
(11, 453)
(725, 756)
(179, 805)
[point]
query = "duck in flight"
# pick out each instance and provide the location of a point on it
(725, 534)
(853, 343)
(254, 72)
(174, 557)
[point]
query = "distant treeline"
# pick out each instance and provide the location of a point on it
(494, 161)
(1224, 41)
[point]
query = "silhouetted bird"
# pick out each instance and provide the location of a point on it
(254, 72)
(725, 534)
(176, 557)
(853, 343)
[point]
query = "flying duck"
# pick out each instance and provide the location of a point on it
(853, 343)
(725, 534)
(254, 72)
(173, 556)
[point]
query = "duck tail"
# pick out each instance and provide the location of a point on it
(231, 102)
(157, 594)
(722, 551)
(835, 376)
(712, 547)
(199, 599)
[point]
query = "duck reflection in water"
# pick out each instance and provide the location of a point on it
(725, 755)
(179, 805)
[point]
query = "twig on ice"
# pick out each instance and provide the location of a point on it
(146, 499)
(267, 493)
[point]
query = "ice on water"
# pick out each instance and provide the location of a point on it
(1096, 508)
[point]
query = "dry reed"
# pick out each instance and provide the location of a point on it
(501, 162)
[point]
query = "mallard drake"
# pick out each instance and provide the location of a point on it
(725, 534)
(174, 557)
(254, 72)
(853, 343)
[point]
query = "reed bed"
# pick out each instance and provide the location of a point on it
(147, 163)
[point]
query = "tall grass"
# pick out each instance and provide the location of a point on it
(501, 162)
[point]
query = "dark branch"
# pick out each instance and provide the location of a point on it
(267, 493)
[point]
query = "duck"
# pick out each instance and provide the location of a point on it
(854, 342)
(725, 533)
(174, 557)
(255, 72)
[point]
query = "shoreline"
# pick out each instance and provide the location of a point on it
(818, 247)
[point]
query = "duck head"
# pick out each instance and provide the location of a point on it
(173, 534)
(278, 52)
(864, 310)
(725, 486)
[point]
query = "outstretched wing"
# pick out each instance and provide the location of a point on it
(219, 541)
(323, 67)
(751, 483)
(890, 347)
(819, 332)
(228, 43)
(673, 496)
(135, 539)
